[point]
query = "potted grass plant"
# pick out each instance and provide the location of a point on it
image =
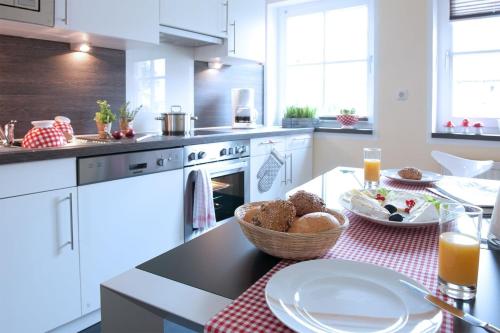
(104, 119)
(299, 116)
(127, 116)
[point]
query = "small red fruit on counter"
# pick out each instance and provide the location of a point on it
(117, 135)
(449, 124)
(478, 125)
(130, 133)
(465, 123)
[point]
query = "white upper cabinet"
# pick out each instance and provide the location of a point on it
(246, 22)
(208, 17)
(123, 19)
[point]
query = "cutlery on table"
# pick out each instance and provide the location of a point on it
(452, 310)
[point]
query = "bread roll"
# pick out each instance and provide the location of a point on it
(250, 214)
(275, 215)
(306, 203)
(314, 222)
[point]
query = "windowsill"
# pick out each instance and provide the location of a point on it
(366, 131)
(458, 136)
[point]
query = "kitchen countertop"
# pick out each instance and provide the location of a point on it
(193, 282)
(18, 155)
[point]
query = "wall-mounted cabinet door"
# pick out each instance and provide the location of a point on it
(207, 17)
(123, 19)
(39, 270)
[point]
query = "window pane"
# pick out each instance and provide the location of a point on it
(304, 86)
(304, 39)
(476, 85)
(346, 87)
(346, 34)
(476, 34)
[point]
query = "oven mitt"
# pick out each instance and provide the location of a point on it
(268, 171)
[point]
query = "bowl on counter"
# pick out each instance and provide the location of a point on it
(296, 246)
(44, 135)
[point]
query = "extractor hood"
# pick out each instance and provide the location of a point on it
(181, 37)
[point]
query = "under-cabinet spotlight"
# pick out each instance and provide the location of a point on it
(80, 47)
(215, 65)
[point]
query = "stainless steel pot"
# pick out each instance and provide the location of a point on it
(176, 122)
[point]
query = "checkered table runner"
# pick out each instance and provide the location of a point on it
(412, 252)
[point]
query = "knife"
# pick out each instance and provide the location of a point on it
(451, 309)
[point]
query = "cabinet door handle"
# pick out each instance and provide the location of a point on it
(291, 168)
(233, 51)
(226, 4)
(70, 198)
(66, 21)
(285, 181)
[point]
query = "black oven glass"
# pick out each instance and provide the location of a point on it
(228, 193)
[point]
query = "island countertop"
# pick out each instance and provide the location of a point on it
(158, 141)
(193, 282)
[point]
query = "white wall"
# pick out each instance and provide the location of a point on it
(403, 61)
(158, 77)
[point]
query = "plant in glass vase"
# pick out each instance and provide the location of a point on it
(104, 119)
(127, 116)
(347, 118)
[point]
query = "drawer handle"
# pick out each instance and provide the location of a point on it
(270, 142)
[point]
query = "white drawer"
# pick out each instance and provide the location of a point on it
(32, 177)
(263, 146)
(299, 141)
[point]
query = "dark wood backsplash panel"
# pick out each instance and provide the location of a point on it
(212, 92)
(42, 79)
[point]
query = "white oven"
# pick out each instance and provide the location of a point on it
(228, 166)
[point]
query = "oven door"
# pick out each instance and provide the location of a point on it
(230, 183)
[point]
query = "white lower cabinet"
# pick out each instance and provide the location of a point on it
(298, 167)
(39, 265)
(277, 189)
(124, 223)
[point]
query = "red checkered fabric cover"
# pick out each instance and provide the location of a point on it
(44, 138)
(347, 119)
(64, 127)
(412, 252)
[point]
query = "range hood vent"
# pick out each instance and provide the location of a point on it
(181, 37)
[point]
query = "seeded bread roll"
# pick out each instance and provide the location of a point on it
(250, 214)
(275, 215)
(410, 173)
(313, 223)
(306, 203)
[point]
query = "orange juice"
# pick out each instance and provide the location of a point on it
(458, 258)
(372, 170)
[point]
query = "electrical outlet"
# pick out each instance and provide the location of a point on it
(402, 95)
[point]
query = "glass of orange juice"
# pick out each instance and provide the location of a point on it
(372, 167)
(459, 240)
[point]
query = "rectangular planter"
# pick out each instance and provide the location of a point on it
(299, 122)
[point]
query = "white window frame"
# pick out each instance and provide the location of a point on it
(319, 6)
(444, 111)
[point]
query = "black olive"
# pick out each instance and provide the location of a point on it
(396, 218)
(392, 209)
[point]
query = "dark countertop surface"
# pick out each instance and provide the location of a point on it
(223, 262)
(17, 154)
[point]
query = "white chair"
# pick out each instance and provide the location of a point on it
(458, 166)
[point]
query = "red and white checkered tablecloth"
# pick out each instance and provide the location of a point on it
(412, 252)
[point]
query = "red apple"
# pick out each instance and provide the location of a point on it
(130, 133)
(117, 135)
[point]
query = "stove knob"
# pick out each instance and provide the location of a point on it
(160, 162)
(230, 151)
(191, 157)
(223, 152)
(201, 155)
(243, 149)
(236, 150)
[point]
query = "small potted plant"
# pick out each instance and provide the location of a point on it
(347, 118)
(127, 116)
(299, 116)
(478, 128)
(104, 119)
(449, 127)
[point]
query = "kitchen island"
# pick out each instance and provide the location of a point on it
(191, 283)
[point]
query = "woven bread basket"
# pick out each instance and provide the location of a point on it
(297, 246)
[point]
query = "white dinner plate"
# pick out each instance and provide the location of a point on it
(428, 177)
(345, 202)
(332, 295)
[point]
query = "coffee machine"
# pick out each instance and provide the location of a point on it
(244, 112)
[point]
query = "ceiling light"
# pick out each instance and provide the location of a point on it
(80, 47)
(215, 65)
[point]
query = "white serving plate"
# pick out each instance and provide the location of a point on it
(345, 202)
(332, 295)
(428, 177)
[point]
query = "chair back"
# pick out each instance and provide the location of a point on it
(462, 167)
